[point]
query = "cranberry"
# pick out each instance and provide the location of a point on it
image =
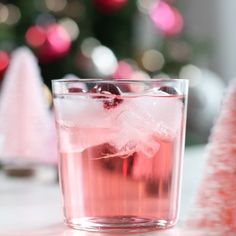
(107, 89)
(168, 90)
(93, 90)
(76, 90)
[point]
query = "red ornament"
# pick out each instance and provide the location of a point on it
(36, 36)
(109, 5)
(4, 61)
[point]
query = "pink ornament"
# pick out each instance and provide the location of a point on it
(216, 201)
(26, 126)
(166, 18)
(58, 39)
(54, 44)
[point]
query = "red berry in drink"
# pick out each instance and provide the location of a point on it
(107, 89)
(169, 90)
(76, 90)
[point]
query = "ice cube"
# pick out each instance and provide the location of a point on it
(140, 119)
(148, 147)
(74, 138)
(81, 110)
(159, 107)
(134, 131)
(130, 127)
(82, 122)
(159, 167)
(70, 105)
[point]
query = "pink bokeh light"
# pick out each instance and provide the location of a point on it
(58, 39)
(167, 18)
(123, 71)
(56, 44)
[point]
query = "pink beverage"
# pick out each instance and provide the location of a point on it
(120, 155)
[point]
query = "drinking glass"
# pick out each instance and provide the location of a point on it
(121, 147)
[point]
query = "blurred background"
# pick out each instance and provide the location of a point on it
(130, 38)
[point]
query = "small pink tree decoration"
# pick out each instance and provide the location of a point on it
(26, 125)
(216, 202)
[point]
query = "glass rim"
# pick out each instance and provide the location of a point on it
(95, 80)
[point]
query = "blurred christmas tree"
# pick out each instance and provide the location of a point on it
(97, 37)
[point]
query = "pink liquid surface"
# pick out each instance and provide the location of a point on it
(106, 186)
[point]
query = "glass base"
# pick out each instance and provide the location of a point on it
(118, 224)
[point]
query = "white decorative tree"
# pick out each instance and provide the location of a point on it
(216, 201)
(26, 125)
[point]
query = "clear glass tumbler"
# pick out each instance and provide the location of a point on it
(121, 148)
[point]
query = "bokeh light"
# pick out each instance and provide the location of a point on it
(139, 75)
(45, 19)
(192, 73)
(35, 36)
(123, 71)
(153, 60)
(166, 18)
(104, 60)
(88, 45)
(161, 76)
(58, 39)
(178, 23)
(14, 14)
(4, 60)
(75, 9)
(144, 5)
(56, 5)
(71, 27)
(179, 50)
(3, 13)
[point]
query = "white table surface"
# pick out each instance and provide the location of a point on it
(32, 207)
